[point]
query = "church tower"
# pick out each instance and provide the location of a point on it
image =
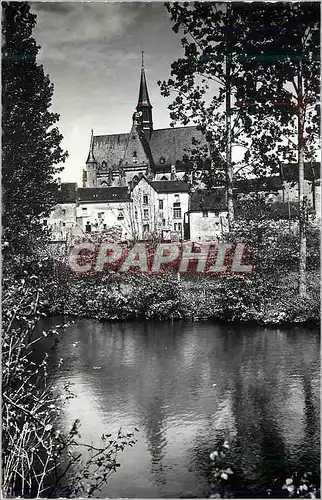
(144, 107)
(91, 166)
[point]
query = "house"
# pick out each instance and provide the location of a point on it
(207, 217)
(62, 218)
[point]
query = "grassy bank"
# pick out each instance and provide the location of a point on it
(266, 300)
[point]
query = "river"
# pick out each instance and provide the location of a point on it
(185, 386)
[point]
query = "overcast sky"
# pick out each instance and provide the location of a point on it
(92, 53)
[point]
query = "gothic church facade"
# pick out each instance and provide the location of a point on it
(158, 154)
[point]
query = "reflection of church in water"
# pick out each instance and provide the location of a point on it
(120, 159)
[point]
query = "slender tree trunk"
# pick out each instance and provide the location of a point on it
(302, 204)
(229, 169)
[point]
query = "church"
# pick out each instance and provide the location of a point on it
(159, 154)
(137, 185)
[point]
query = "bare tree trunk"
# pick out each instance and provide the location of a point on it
(302, 203)
(229, 169)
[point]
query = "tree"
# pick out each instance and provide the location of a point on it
(211, 81)
(288, 89)
(250, 77)
(31, 148)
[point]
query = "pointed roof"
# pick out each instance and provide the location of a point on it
(144, 99)
(91, 158)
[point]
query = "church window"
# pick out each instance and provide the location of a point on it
(146, 213)
(145, 199)
(160, 204)
(135, 154)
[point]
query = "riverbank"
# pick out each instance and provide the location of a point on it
(267, 300)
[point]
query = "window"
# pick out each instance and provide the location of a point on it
(163, 222)
(175, 227)
(145, 199)
(136, 215)
(176, 197)
(88, 228)
(177, 213)
(44, 222)
(63, 211)
(205, 213)
(160, 204)
(145, 213)
(120, 215)
(146, 228)
(177, 204)
(64, 224)
(104, 226)
(84, 210)
(179, 226)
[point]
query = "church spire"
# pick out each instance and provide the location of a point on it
(144, 105)
(91, 158)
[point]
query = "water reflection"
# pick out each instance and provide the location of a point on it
(185, 386)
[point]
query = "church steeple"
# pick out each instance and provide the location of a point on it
(91, 158)
(144, 106)
(91, 165)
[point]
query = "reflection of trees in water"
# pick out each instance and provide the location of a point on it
(156, 435)
(308, 453)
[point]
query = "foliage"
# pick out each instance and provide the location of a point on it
(227, 479)
(31, 148)
(262, 61)
(39, 459)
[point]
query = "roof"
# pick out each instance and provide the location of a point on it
(252, 210)
(290, 171)
(67, 192)
(203, 199)
(169, 145)
(110, 148)
(105, 194)
(170, 186)
(273, 183)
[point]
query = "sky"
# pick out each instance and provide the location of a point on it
(92, 53)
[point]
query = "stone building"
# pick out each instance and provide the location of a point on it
(158, 154)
